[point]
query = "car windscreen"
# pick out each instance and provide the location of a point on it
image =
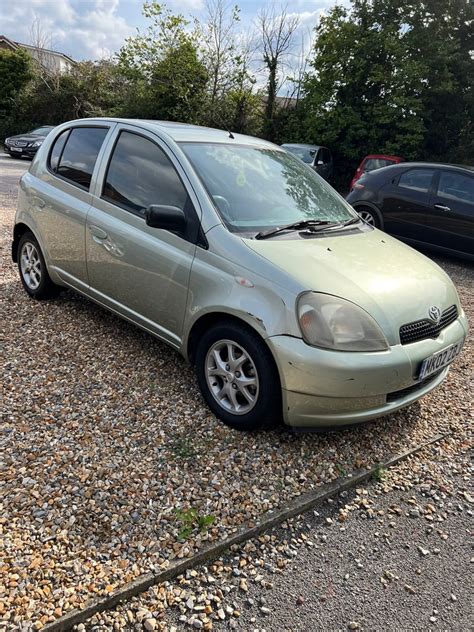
(256, 188)
(41, 131)
(377, 163)
(306, 154)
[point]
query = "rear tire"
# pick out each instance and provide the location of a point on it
(238, 377)
(32, 267)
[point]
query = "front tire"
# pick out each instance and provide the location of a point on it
(32, 267)
(238, 377)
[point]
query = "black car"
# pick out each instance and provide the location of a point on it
(319, 158)
(421, 203)
(26, 144)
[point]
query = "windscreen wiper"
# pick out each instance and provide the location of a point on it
(310, 224)
(348, 222)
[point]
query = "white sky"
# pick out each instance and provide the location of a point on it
(91, 29)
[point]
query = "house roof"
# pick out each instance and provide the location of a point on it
(16, 45)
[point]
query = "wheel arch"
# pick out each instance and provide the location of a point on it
(359, 206)
(18, 231)
(205, 321)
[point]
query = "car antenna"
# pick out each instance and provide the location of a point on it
(220, 122)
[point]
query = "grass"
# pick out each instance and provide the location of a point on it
(183, 448)
(379, 473)
(190, 520)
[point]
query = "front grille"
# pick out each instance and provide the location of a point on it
(20, 143)
(391, 397)
(422, 329)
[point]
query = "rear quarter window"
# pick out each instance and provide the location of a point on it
(57, 150)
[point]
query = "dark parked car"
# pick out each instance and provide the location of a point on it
(372, 162)
(421, 203)
(26, 144)
(319, 158)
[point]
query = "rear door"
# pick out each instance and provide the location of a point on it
(139, 271)
(453, 211)
(61, 197)
(407, 203)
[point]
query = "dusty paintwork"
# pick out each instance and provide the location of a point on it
(165, 284)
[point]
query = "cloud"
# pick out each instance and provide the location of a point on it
(91, 29)
(88, 29)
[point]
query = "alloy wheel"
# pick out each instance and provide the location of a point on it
(232, 377)
(367, 217)
(30, 265)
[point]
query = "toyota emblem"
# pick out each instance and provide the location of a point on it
(435, 314)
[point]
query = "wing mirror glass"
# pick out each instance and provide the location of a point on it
(166, 217)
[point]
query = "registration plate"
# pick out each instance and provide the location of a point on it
(18, 149)
(440, 359)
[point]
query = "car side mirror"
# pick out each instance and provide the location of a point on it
(320, 163)
(166, 217)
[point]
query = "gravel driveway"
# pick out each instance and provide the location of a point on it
(106, 445)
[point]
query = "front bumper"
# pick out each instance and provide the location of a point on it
(331, 388)
(20, 151)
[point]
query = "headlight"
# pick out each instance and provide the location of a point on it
(7, 141)
(37, 143)
(331, 322)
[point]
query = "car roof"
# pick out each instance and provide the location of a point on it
(186, 132)
(423, 165)
(303, 145)
(388, 156)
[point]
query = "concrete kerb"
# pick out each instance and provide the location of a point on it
(294, 507)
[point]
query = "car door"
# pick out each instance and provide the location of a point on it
(61, 198)
(139, 271)
(407, 207)
(323, 163)
(453, 211)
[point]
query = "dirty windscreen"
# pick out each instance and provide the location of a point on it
(256, 188)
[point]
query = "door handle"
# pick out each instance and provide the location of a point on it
(97, 232)
(442, 207)
(38, 203)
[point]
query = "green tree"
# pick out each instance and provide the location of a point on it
(393, 76)
(90, 89)
(15, 73)
(277, 31)
(440, 34)
(363, 95)
(165, 77)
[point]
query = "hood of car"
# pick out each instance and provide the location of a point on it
(27, 137)
(391, 281)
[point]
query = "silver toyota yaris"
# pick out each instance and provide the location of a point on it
(242, 258)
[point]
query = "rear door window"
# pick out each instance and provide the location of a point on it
(456, 186)
(417, 180)
(77, 160)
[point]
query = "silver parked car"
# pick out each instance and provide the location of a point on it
(317, 157)
(243, 259)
